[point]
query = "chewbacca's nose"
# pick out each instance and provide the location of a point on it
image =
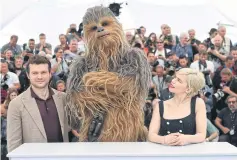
(100, 29)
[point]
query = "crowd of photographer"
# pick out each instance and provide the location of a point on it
(166, 53)
(215, 57)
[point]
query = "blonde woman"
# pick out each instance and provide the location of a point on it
(182, 119)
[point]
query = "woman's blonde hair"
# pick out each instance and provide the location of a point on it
(195, 80)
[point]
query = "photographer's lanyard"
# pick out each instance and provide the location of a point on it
(161, 83)
(233, 117)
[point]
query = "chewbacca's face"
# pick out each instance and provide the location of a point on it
(106, 31)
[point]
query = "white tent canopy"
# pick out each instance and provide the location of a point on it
(29, 18)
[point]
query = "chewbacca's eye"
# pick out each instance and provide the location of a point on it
(105, 24)
(94, 28)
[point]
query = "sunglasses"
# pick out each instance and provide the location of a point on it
(233, 102)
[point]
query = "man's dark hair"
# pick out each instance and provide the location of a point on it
(229, 58)
(31, 39)
(233, 49)
(202, 44)
(36, 59)
(42, 34)
(14, 36)
(62, 35)
(183, 57)
(57, 49)
(142, 27)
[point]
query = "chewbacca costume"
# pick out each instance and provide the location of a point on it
(107, 87)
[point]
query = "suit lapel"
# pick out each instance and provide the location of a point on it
(60, 108)
(32, 107)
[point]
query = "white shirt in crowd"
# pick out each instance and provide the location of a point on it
(12, 79)
(162, 52)
(210, 66)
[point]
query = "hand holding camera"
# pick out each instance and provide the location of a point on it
(226, 89)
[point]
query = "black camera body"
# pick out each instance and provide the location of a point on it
(193, 41)
(171, 67)
(212, 46)
(139, 31)
(4, 84)
(73, 30)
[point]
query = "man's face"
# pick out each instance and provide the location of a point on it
(184, 40)
(18, 63)
(202, 48)
(62, 39)
(150, 57)
(234, 54)
(13, 41)
(232, 104)
(8, 54)
(229, 63)
(143, 31)
(59, 54)
(4, 68)
(61, 87)
(217, 41)
(191, 34)
(160, 71)
(31, 45)
(129, 36)
(183, 62)
(42, 39)
(222, 32)
(225, 78)
(39, 75)
(73, 46)
(203, 57)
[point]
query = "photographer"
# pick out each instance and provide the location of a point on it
(233, 53)
(153, 62)
(193, 41)
(205, 66)
(171, 64)
(166, 36)
(29, 50)
(206, 94)
(151, 43)
(43, 46)
(217, 52)
(59, 67)
(8, 79)
(183, 62)
(227, 86)
(226, 121)
(72, 33)
(183, 48)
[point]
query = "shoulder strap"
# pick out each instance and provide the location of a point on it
(161, 108)
(193, 104)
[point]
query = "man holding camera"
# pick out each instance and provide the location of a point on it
(205, 66)
(193, 41)
(226, 121)
(72, 33)
(43, 46)
(8, 79)
(227, 86)
(217, 52)
(59, 66)
(227, 44)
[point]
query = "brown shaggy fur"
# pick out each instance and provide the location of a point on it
(112, 78)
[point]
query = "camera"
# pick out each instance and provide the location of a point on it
(171, 67)
(212, 46)
(4, 84)
(26, 48)
(207, 77)
(169, 38)
(193, 41)
(218, 95)
(73, 30)
(139, 31)
(151, 94)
